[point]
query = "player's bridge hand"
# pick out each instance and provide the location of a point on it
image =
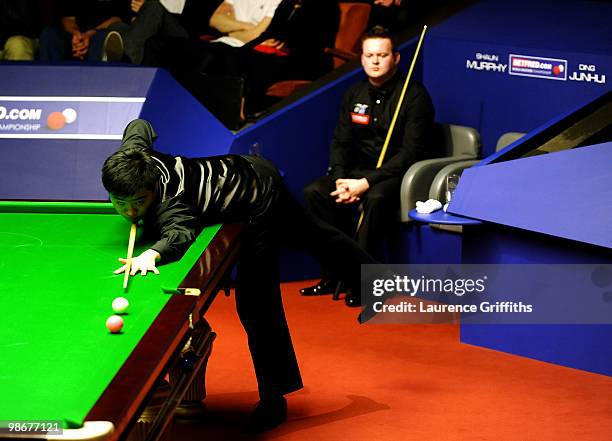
(144, 263)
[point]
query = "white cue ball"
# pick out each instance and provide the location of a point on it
(120, 305)
(70, 115)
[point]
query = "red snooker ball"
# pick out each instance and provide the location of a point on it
(114, 324)
(56, 121)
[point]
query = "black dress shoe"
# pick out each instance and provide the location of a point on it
(325, 286)
(267, 415)
(352, 299)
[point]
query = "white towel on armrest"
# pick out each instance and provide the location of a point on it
(429, 206)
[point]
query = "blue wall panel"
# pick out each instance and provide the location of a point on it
(584, 347)
(183, 125)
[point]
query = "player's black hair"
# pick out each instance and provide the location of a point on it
(380, 32)
(128, 171)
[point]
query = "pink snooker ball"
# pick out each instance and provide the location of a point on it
(114, 324)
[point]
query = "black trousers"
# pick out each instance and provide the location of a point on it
(152, 20)
(380, 204)
(258, 295)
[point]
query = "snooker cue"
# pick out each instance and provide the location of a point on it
(383, 152)
(130, 251)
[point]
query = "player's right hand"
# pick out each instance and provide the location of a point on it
(144, 263)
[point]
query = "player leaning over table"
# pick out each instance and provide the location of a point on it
(174, 197)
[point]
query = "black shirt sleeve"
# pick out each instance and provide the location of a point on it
(176, 226)
(138, 134)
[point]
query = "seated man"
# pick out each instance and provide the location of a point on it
(238, 22)
(181, 24)
(289, 49)
(353, 178)
(241, 22)
(83, 30)
(174, 197)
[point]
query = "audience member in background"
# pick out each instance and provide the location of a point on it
(388, 13)
(21, 22)
(242, 21)
(396, 15)
(161, 18)
(353, 179)
(176, 27)
(83, 29)
(287, 49)
(290, 49)
(400, 15)
(238, 21)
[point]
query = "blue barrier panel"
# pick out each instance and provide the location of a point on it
(557, 194)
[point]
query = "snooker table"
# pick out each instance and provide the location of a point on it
(58, 361)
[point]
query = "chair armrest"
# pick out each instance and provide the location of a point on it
(345, 55)
(417, 182)
(438, 185)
